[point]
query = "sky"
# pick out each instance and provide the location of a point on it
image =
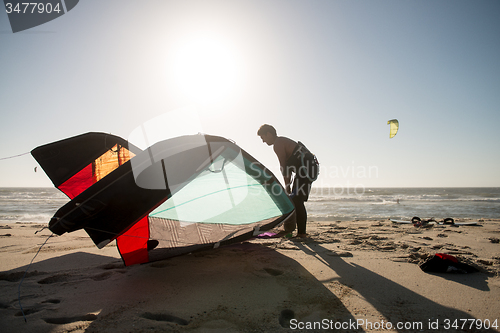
(327, 73)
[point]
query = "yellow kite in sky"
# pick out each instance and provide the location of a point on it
(394, 127)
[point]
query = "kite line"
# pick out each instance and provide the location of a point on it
(6, 158)
(25, 272)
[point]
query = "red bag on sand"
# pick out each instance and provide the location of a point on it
(445, 263)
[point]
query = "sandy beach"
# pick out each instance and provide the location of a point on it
(358, 276)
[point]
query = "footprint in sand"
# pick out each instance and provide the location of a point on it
(285, 317)
(161, 264)
(27, 311)
(17, 276)
(112, 266)
(68, 320)
(102, 276)
(164, 317)
(55, 279)
(36, 308)
(273, 272)
(52, 301)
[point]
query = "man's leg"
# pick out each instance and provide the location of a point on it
(301, 215)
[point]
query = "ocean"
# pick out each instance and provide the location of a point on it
(403, 203)
(30, 205)
(38, 205)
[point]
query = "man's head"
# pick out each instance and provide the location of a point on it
(268, 134)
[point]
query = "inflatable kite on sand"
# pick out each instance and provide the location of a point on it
(178, 196)
(394, 127)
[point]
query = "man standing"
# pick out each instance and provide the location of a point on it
(295, 159)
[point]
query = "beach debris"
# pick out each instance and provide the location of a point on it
(445, 263)
(485, 262)
(340, 254)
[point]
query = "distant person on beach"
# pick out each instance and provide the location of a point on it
(295, 159)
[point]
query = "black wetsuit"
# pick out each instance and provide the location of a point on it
(305, 168)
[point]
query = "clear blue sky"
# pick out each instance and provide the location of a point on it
(327, 73)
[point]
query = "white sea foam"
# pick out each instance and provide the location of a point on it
(29, 205)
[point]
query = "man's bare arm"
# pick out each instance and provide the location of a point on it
(280, 150)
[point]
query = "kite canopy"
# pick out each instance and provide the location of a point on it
(394, 127)
(179, 195)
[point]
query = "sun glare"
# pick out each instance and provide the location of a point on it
(205, 69)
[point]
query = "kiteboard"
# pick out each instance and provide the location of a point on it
(466, 223)
(444, 222)
(400, 221)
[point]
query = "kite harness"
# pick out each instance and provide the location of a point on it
(304, 163)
